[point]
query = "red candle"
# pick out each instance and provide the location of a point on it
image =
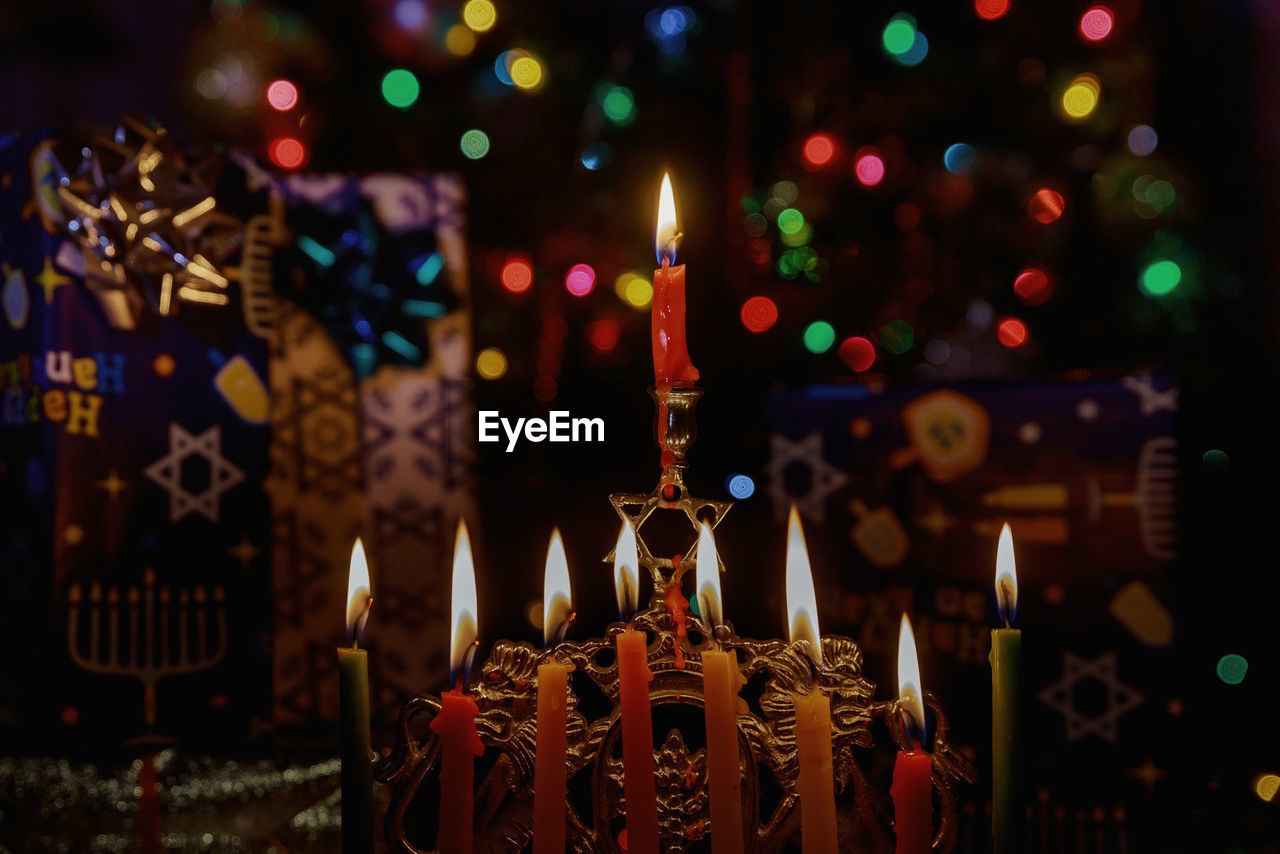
(912, 788)
(671, 364)
(456, 724)
(638, 786)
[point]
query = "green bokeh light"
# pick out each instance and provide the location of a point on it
(1232, 668)
(1160, 278)
(897, 336)
(619, 104)
(899, 35)
(819, 336)
(1216, 461)
(790, 221)
(474, 144)
(400, 88)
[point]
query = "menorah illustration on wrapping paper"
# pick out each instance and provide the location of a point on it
(152, 627)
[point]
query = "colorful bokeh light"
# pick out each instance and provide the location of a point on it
(474, 144)
(1012, 332)
(1142, 140)
(460, 40)
(282, 95)
(819, 336)
(596, 156)
(491, 363)
(580, 279)
(1096, 23)
(790, 221)
(410, 15)
(400, 88)
(899, 34)
(287, 152)
(1032, 286)
(480, 15)
(1216, 461)
(960, 158)
(740, 486)
(1046, 206)
(604, 334)
(633, 289)
(526, 73)
(1232, 668)
(1081, 97)
(869, 167)
(517, 275)
(759, 314)
(618, 104)
(1160, 278)
(819, 150)
(1266, 787)
(990, 10)
(916, 53)
(897, 336)
(858, 353)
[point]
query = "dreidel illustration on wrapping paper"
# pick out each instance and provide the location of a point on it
(949, 434)
(148, 635)
(878, 535)
(241, 388)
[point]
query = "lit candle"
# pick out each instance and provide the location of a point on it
(816, 783)
(912, 788)
(639, 788)
(353, 691)
(721, 682)
(671, 365)
(1006, 650)
(550, 793)
(456, 722)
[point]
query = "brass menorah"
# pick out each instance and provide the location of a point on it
(149, 612)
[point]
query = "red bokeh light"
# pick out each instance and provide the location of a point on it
(907, 215)
(1032, 286)
(604, 334)
(517, 275)
(989, 10)
(287, 152)
(282, 95)
(1046, 206)
(759, 313)
(1096, 23)
(1012, 332)
(869, 167)
(760, 251)
(858, 353)
(819, 150)
(580, 280)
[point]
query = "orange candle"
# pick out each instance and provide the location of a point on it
(638, 787)
(456, 723)
(912, 788)
(671, 364)
(721, 682)
(816, 783)
(550, 793)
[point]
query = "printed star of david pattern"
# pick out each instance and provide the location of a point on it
(167, 472)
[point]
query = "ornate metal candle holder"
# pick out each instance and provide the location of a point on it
(774, 670)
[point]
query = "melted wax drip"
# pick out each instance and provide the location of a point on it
(677, 605)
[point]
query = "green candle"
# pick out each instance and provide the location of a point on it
(1006, 650)
(353, 686)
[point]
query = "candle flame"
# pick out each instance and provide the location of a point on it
(1006, 576)
(359, 595)
(708, 577)
(557, 603)
(464, 630)
(911, 702)
(665, 235)
(626, 572)
(802, 602)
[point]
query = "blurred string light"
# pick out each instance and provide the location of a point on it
(790, 221)
(990, 10)
(897, 336)
(400, 88)
(1046, 206)
(491, 363)
(1081, 97)
(1142, 140)
(287, 152)
(858, 353)
(596, 156)
(1152, 196)
(1232, 668)
(937, 351)
(903, 42)
(1266, 787)
(474, 144)
(634, 289)
(604, 334)
(460, 40)
(1032, 286)
(1160, 278)
(517, 275)
(669, 27)
(740, 486)
(617, 103)
(959, 158)
(526, 73)
(480, 15)
(819, 336)
(759, 314)
(580, 280)
(1012, 332)
(868, 167)
(282, 95)
(1096, 23)
(410, 15)
(801, 260)
(819, 150)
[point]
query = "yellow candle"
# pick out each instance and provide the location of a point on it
(721, 682)
(550, 793)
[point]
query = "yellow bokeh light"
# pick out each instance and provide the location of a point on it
(1081, 97)
(480, 15)
(1266, 786)
(526, 73)
(635, 290)
(491, 363)
(460, 40)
